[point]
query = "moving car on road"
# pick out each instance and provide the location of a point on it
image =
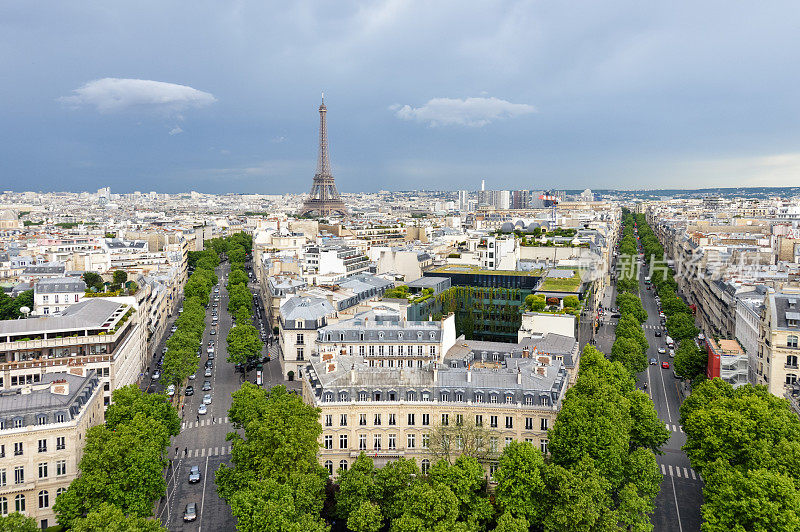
(203, 410)
(207, 397)
(661, 350)
(206, 386)
(665, 365)
(653, 361)
(194, 474)
(190, 513)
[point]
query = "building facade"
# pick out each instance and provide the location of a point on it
(42, 434)
(779, 345)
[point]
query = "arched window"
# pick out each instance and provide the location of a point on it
(343, 465)
(409, 395)
(329, 466)
(19, 503)
(791, 341)
(328, 397)
(59, 491)
(3, 506)
(426, 465)
(791, 360)
(44, 499)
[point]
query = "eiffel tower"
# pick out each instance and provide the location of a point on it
(324, 199)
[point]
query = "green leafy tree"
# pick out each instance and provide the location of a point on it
(756, 499)
(268, 505)
(520, 486)
(507, 522)
(466, 479)
(690, 361)
(280, 438)
(237, 277)
(9, 306)
(240, 296)
(629, 353)
(129, 401)
(571, 302)
(396, 479)
(630, 304)
(120, 277)
(629, 327)
(535, 303)
(93, 280)
(17, 522)
(357, 485)
(681, 326)
(366, 518)
(243, 344)
(428, 508)
(122, 466)
(109, 518)
(576, 499)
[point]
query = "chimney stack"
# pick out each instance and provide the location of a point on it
(519, 376)
(353, 374)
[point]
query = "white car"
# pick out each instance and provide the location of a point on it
(203, 410)
(171, 390)
(672, 353)
(207, 399)
(193, 376)
(173, 329)
(661, 350)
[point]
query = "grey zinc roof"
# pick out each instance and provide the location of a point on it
(44, 268)
(57, 285)
(88, 314)
(381, 326)
(41, 402)
(535, 380)
(785, 312)
(306, 308)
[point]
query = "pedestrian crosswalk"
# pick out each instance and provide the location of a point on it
(204, 422)
(654, 327)
(680, 472)
(210, 451)
(674, 428)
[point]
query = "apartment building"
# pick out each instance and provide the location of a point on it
(99, 334)
(300, 319)
(383, 339)
(330, 263)
(42, 434)
(392, 412)
(779, 341)
(54, 295)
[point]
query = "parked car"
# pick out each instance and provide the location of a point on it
(208, 372)
(207, 397)
(173, 329)
(206, 386)
(156, 375)
(653, 361)
(170, 390)
(213, 332)
(209, 364)
(672, 353)
(203, 410)
(193, 376)
(190, 513)
(665, 365)
(189, 391)
(194, 474)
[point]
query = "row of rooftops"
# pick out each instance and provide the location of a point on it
(57, 398)
(538, 381)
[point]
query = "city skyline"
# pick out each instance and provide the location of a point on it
(422, 96)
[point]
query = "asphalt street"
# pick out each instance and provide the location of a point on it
(678, 503)
(202, 441)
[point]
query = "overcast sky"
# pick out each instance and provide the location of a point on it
(222, 96)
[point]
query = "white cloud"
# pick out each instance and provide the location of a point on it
(175, 130)
(120, 94)
(474, 112)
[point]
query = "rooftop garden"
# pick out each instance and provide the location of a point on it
(401, 292)
(558, 284)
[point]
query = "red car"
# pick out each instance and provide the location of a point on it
(665, 365)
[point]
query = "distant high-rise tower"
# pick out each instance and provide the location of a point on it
(324, 199)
